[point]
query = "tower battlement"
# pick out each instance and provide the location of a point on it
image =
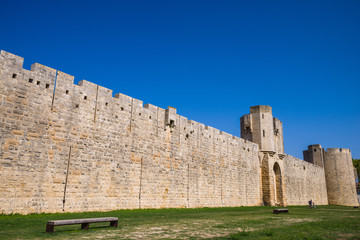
(261, 108)
(338, 150)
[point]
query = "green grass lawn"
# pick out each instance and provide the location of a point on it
(324, 222)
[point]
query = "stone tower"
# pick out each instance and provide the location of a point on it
(260, 127)
(263, 129)
(339, 173)
(314, 155)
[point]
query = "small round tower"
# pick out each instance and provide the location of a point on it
(340, 177)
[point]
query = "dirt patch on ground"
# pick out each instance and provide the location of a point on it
(197, 228)
(343, 236)
(298, 220)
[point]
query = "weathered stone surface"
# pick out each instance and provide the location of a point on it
(67, 147)
(340, 177)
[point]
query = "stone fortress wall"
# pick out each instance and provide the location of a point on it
(67, 147)
(97, 152)
(309, 180)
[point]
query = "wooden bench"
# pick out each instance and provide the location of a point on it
(281, 210)
(84, 222)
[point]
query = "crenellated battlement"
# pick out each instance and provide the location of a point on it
(337, 150)
(88, 95)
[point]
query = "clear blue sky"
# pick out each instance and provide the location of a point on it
(211, 60)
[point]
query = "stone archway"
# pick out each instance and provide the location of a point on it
(265, 180)
(278, 193)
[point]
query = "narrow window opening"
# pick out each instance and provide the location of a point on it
(67, 91)
(85, 98)
(149, 117)
(139, 114)
(314, 150)
(31, 80)
(106, 104)
(263, 133)
(76, 105)
(47, 85)
(122, 109)
(14, 75)
(262, 116)
(38, 83)
(116, 117)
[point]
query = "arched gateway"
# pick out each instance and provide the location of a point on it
(278, 192)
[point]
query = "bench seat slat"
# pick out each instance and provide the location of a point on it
(281, 210)
(80, 221)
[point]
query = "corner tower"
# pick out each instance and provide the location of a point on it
(339, 176)
(339, 173)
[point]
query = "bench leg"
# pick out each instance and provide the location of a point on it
(114, 223)
(49, 227)
(85, 226)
